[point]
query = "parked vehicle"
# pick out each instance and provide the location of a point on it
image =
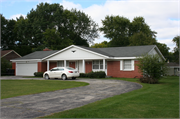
(61, 72)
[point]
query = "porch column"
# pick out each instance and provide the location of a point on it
(83, 66)
(104, 65)
(47, 65)
(64, 63)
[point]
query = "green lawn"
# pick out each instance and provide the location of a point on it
(12, 88)
(152, 101)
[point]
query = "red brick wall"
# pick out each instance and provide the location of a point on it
(114, 70)
(52, 65)
(72, 64)
(88, 66)
(14, 67)
(42, 66)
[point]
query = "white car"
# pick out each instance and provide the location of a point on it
(61, 72)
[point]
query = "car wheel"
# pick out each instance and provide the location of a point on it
(64, 77)
(46, 76)
(73, 77)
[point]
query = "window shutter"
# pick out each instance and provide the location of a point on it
(132, 63)
(121, 64)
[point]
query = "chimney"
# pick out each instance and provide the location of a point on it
(46, 49)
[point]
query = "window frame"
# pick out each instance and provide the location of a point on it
(122, 63)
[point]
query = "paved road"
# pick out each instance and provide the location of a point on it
(36, 105)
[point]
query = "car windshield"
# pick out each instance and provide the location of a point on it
(70, 68)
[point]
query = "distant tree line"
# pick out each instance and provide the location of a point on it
(52, 26)
(122, 32)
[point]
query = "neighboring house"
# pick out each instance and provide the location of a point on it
(115, 61)
(173, 69)
(9, 54)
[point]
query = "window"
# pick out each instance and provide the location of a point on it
(98, 64)
(60, 63)
(127, 65)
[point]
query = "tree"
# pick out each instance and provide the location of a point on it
(164, 50)
(152, 68)
(138, 25)
(141, 38)
(71, 25)
(176, 49)
(116, 28)
(8, 37)
(103, 44)
(54, 41)
(122, 32)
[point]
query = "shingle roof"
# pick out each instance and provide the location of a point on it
(130, 51)
(4, 52)
(37, 55)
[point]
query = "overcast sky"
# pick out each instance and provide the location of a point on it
(163, 16)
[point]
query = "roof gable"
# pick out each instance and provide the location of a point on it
(75, 52)
(6, 52)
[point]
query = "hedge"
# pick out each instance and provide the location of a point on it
(98, 74)
(38, 74)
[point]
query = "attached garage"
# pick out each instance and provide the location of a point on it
(26, 69)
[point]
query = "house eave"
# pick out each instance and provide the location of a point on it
(27, 60)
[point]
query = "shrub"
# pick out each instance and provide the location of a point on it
(38, 74)
(98, 74)
(5, 65)
(152, 68)
(83, 75)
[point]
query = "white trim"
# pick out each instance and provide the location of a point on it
(47, 65)
(159, 52)
(132, 63)
(121, 65)
(75, 47)
(124, 58)
(28, 60)
(83, 66)
(65, 63)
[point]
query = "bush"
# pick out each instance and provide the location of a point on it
(38, 74)
(5, 65)
(152, 68)
(83, 75)
(148, 80)
(98, 74)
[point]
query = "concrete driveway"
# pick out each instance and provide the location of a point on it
(36, 105)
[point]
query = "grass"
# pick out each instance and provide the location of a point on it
(152, 101)
(13, 88)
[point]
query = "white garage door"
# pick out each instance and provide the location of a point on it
(26, 69)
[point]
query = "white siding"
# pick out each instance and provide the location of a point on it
(153, 52)
(77, 55)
